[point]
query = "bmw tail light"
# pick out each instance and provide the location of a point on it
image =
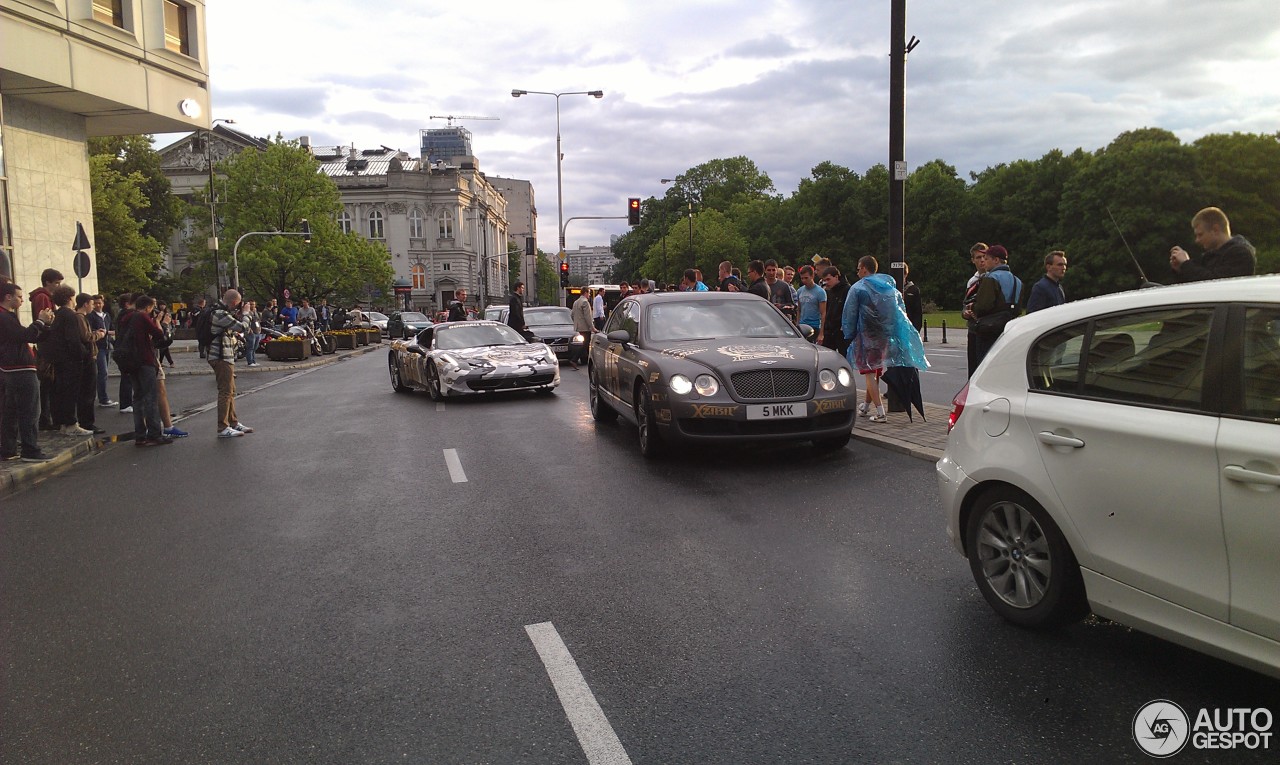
(957, 407)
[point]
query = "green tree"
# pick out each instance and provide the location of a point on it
(128, 259)
(714, 239)
(135, 154)
(937, 204)
(1147, 179)
(1241, 175)
(548, 280)
(273, 191)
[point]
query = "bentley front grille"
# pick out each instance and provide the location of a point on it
(771, 384)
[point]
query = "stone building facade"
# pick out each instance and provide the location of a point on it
(70, 70)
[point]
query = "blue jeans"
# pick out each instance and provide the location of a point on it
(146, 404)
(251, 348)
(103, 355)
(20, 392)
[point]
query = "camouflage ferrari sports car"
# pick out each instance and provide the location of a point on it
(717, 367)
(462, 357)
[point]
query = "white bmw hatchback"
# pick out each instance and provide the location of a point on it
(1122, 455)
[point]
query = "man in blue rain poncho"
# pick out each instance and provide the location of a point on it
(875, 321)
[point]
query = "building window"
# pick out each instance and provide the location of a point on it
(415, 223)
(344, 222)
(109, 12)
(446, 224)
(444, 267)
(375, 225)
(418, 275)
(177, 32)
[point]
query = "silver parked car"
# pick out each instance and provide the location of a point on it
(1122, 455)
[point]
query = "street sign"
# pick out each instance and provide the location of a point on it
(81, 264)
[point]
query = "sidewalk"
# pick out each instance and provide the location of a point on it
(922, 439)
(186, 362)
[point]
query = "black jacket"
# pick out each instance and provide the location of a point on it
(515, 315)
(15, 339)
(68, 340)
(759, 287)
(1235, 258)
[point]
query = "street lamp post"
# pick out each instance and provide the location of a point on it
(305, 233)
(213, 215)
(516, 93)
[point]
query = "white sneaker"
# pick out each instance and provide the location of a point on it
(75, 430)
(106, 403)
(877, 418)
(240, 426)
(230, 433)
(864, 409)
(127, 410)
(254, 364)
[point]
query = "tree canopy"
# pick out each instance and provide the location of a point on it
(273, 191)
(134, 212)
(1147, 180)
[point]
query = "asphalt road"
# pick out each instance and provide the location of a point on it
(375, 578)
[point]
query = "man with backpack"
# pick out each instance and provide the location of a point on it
(997, 299)
(226, 321)
(198, 310)
(135, 355)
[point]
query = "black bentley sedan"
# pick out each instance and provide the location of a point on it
(717, 367)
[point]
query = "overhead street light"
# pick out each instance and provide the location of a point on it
(516, 93)
(213, 214)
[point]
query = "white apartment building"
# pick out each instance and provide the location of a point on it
(70, 70)
(591, 263)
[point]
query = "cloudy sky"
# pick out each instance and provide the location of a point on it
(787, 83)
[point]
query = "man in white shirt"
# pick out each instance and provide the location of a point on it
(597, 309)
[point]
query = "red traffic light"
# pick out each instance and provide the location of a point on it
(564, 267)
(633, 211)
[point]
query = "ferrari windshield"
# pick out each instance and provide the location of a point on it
(541, 317)
(476, 336)
(712, 319)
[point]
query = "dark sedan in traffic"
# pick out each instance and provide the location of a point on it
(717, 367)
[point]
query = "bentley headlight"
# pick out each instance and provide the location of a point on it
(680, 384)
(844, 377)
(706, 385)
(578, 338)
(827, 380)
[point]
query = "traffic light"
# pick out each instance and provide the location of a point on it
(564, 273)
(306, 231)
(633, 211)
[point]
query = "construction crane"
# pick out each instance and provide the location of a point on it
(452, 117)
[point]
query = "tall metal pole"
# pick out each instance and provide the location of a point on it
(693, 259)
(897, 137)
(213, 215)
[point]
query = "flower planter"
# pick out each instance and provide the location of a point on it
(284, 350)
(372, 336)
(344, 342)
(361, 337)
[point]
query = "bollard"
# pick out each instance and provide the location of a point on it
(944, 331)
(925, 329)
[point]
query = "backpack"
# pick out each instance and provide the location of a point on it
(204, 328)
(125, 352)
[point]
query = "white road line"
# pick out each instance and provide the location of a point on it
(595, 734)
(455, 466)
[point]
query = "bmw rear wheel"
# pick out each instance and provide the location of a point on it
(1021, 561)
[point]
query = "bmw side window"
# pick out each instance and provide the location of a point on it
(1054, 365)
(1262, 363)
(1154, 357)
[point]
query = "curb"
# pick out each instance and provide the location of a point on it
(22, 476)
(899, 446)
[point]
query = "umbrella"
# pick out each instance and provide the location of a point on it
(904, 382)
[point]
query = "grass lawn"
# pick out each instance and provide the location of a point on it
(951, 317)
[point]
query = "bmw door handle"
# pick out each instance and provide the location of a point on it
(1053, 439)
(1244, 475)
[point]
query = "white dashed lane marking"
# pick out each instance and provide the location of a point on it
(455, 466)
(595, 734)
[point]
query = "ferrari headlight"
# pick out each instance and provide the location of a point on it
(680, 384)
(827, 380)
(844, 377)
(550, 356)
(706, 385)
(449, 360)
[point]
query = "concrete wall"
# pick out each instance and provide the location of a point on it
(47, 163)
